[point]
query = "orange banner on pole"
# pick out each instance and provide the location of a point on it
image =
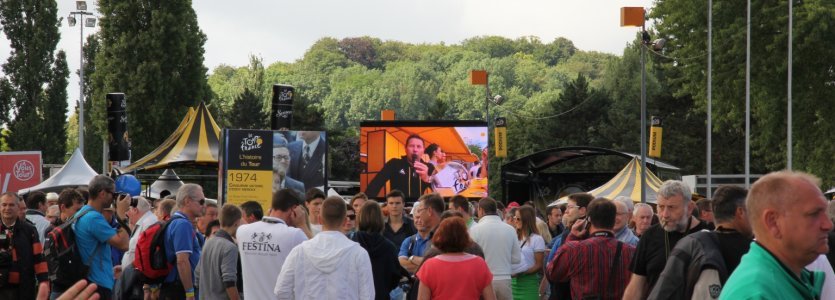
(478, 77)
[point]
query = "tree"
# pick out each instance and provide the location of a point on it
(54, 109)
(247, 112)
(362, 50)
(152, 52)
(32, 28)
(684, 24)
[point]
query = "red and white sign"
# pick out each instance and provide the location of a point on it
(20, 170)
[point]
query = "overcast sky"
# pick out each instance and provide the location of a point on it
(283, 30)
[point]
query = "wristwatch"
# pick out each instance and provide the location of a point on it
(410, 259)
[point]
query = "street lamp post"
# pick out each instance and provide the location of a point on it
(81, 15)
(636, 16)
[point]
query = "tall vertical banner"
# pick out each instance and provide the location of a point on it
(20, 170)
(117, 127)
(655, 131)
(257, 163)
(501, 137)
(281, 117)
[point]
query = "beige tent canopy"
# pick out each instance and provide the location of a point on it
(626, 183)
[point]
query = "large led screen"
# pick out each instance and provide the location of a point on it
(420, 157)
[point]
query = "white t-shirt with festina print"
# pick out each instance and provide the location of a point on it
(263, 247)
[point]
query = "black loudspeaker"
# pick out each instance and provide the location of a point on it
(117, 127)
(281, 117)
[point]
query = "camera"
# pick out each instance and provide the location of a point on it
(5, 258)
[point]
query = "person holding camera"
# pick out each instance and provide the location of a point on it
(94, 236)
(22, 264)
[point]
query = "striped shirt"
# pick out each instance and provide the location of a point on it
(28, 264)
(589, 265)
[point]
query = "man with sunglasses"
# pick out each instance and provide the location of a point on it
(264, 245)
(182, 247)
(94, 236)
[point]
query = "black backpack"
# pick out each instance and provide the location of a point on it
(63, 257)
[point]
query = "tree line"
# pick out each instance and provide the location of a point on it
(556, 94)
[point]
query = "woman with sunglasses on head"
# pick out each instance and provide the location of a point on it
(385, 267)
(526, 275)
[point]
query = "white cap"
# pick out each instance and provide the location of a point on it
(52, 196)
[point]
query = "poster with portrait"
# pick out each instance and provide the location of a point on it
(419, 157)
(257, 163)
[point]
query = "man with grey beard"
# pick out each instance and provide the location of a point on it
(675, 222)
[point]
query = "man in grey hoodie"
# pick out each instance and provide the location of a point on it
(329, 266)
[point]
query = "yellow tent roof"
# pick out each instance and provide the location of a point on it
(446, 137)
(627, 183)
(196, 141)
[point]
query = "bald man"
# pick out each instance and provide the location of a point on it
(787, 211)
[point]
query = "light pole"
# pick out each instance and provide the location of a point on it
(709, 166)
(636, 16)
(748, 98)
(81, 12)
(789, 94)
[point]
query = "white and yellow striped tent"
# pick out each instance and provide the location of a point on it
(196, 142)
(626, 183)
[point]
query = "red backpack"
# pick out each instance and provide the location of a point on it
(150, 259)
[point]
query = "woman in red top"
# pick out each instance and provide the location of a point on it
(454, 274)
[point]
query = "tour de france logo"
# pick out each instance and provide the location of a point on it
(24, 170)
(251, 142)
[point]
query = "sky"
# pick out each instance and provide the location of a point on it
(284, 30)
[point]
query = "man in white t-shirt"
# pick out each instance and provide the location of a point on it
(500, 243)
(264, 245)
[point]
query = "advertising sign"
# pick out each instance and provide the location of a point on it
(20, 170)
(256, 163)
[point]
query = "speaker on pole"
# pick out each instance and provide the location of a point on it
(117, 127)
(282, 107)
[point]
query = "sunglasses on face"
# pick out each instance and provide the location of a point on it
(352, 217)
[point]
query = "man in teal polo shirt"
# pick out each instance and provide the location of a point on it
(787, 211)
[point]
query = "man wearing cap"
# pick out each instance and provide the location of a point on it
(141, 218)
(51, 199)
(281, 166)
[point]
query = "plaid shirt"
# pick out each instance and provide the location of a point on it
(588, 265)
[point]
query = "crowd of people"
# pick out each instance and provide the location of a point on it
(769, 242)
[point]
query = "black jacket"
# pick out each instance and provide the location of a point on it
(402, 176)
(385, 267)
